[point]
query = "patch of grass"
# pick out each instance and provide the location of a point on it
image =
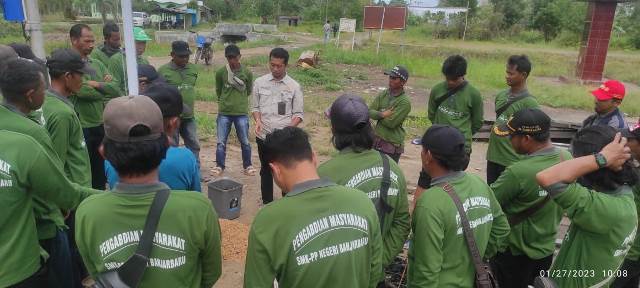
(206, 125)
(324, 76)
(206, 84)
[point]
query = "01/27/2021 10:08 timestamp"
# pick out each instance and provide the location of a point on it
(566, 273)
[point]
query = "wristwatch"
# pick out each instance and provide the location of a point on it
(600, 160)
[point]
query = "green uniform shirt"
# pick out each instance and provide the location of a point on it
(438, 255)
(363, 171)
(634, 253)
(463, 110)
(98, 54)
(65, 131)
(89, 102)
(232, 101)
(517, 189)
(603, 227)
(390, 129)
(118, 69)
(186, 246)
(185, 80)
(318, 235)
(27, 171)
(500, 150)
(48, 215)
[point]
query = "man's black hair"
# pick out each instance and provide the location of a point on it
(19, 76)
(136, 158)
(288, 146)
(108, 28)
(359, 140)
(280, 53)
(76, 30)
(542, 137)
(454, 67)
(591, 140)
(521, 62)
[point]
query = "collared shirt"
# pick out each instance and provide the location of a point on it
(267, 93)
(614, 119)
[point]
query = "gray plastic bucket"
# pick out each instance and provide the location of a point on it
(226, 197)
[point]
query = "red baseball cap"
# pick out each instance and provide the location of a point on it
(611, 89)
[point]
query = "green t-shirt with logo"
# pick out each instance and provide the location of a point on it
(65, 131)
(634, 253)
(463, 110)
(48, 215)
(88, 101)
(438, 254)
(390, 129)
(363, 171)
(500, 150)
(603, 227)
(186, 246)
(185, 80)
(27, 171)
(517, 190)
(231, 100)
(318, 235)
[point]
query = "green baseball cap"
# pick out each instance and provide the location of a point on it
(140, 35)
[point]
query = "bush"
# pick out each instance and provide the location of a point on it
(568, 39)
(529, 36)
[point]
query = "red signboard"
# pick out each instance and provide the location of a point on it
(394, 18)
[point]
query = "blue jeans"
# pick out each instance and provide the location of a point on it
(59, 264)
(189, 133)
(241, 122)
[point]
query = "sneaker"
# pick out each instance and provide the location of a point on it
(250, 171)
(217, 171)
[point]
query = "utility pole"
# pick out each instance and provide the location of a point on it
(129, 46)
(34, 27)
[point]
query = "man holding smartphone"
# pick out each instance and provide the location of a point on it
(276, 102)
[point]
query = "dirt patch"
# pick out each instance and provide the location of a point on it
(235, 236)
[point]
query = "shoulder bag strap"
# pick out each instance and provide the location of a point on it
(449, 93)
(518, 218)
(504, 107)
(131, 271)
(481, 271)
(382, 207)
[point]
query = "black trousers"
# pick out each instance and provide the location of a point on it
(493, 171)
(37, 280)
(266, 178)
(93, 138)
(518, 271)
(632, 270)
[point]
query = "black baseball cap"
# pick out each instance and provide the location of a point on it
(168, 98)
(231, 50)
(149, 72)
(67, 60)
(180, 48)
(443, 140)
(525, 122)
(633, 132)
(349, 114)
(398, 71)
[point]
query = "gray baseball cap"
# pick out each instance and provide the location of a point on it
(122, 114)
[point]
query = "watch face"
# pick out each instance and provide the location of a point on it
(601, 160)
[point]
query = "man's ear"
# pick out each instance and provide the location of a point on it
(29, 96)
(101, 150)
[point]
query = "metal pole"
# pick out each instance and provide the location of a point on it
(35, 28)
(129, 46)
(380, 33)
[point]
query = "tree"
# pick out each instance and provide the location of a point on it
(473, 5)
(512, 10)
(265, 10)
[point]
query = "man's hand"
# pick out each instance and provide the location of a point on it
(387, 113)
(108, 78)
(616, 153)
(94, 84)
(258, 127)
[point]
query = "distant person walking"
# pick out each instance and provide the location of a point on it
(327, 31)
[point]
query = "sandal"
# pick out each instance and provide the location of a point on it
(217, 171)
(250, 171)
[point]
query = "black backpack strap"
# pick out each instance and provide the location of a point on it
(131, 271)
(504, 107)
(449, 93)
(382, 207)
